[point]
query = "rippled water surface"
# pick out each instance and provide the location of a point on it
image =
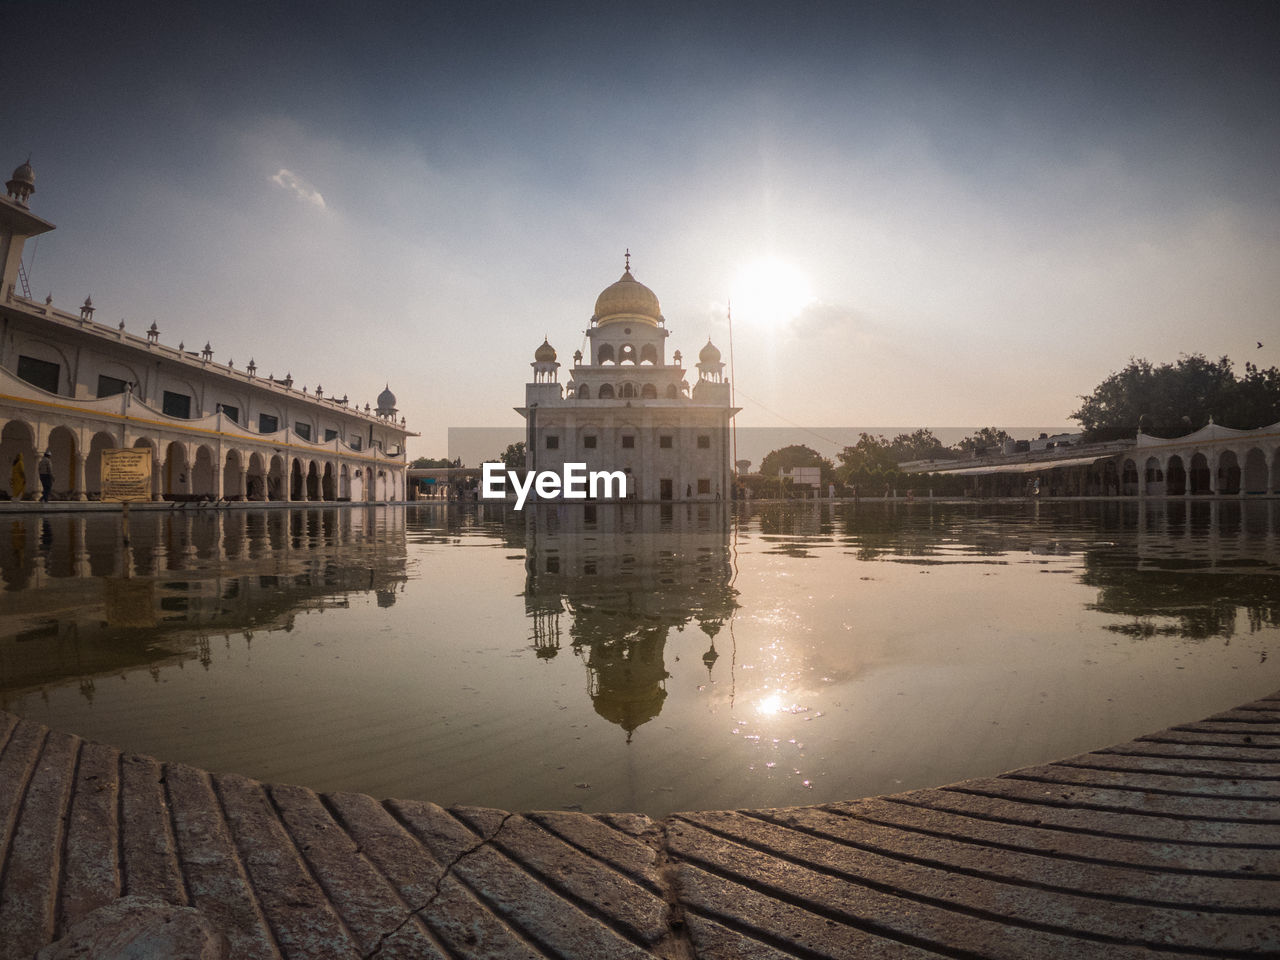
(637, 657)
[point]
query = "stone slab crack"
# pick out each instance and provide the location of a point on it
(480, 844)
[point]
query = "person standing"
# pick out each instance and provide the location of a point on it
(45, 469)
(17, 479)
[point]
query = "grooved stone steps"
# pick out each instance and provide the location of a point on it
(1167, 846)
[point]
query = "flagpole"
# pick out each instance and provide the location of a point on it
(733, 383)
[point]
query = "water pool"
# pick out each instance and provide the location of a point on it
(644, 658)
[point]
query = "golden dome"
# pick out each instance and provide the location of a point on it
(628, 299)
(545, 353)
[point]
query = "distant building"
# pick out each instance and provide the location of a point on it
(625, 407)
(1212, 461)
(76, 387)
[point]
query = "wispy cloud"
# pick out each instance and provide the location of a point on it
(299, 187)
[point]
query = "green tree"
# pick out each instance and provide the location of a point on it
(867, 454)
(990, 439)
(427, 463)
(921, 445)
(796, 455)
(1175, 398)
(513, 457)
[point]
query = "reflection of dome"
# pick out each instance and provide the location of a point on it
(545, 353)
(628, 298)
(628, 679)
(709, 353)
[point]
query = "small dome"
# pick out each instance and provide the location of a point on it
(545, 353)
(22, 184)
(628, 298)
(386, 399)
(709, 353)
(24, 174)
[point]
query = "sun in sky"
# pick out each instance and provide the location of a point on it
(769, 291)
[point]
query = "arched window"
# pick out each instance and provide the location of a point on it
(649, 354)
(627, 391)
(606, 392)
(649, 392)
(605, 353)
(627, 354)
(673, 393)
(584, 392)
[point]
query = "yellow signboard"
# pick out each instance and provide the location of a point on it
(126, 475)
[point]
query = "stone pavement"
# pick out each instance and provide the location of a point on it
(1167, 846)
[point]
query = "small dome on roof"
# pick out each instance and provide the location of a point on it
(710, 353)
(24, 174)
(22, 184)
(386, 399)
(545, 353)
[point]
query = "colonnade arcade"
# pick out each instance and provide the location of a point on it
(1223, 472)
(1213, 461)
(186, 468)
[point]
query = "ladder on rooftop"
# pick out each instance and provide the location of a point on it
(22, 278)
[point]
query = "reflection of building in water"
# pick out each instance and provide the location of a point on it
(617, 578)
(77, 387)
(625, 408)
(77, 603)
(1197, 565)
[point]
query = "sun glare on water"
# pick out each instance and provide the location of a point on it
(769, 291)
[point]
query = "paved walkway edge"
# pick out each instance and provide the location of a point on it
(1166, 846)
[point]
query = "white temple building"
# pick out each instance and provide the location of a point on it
(75, 387)
(626, 407)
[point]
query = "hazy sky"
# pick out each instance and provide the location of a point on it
(931, 213)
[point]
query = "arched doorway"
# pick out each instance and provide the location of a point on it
(1176, 477)
(233, 477)
(276, 489)
(1255, 471)
(313, 482)
(93, 463)
(1153, 478)
(344, 483)
(328, 486)
(1198, 476)
(204, 479)
(1129, 479)
(177, 473)
(1228, 473)
(63, 453)
(19, 459)
(296, 489)
(255, 480)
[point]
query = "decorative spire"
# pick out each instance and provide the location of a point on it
(628, 259)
